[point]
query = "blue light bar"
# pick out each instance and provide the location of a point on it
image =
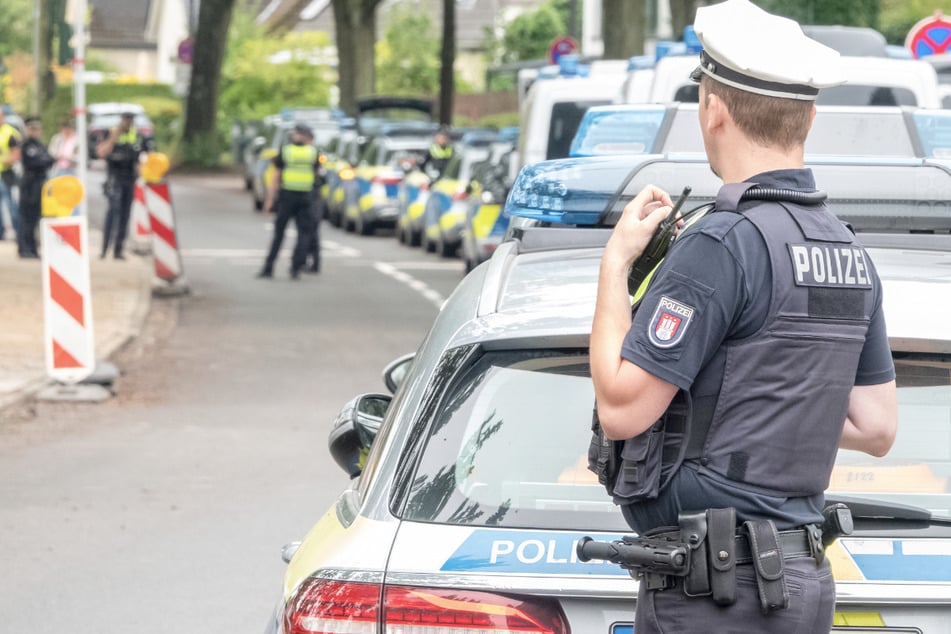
(573, 191)
(664, 48)
(934, 132)
(622, 129)
(640, 62)
(691, 40)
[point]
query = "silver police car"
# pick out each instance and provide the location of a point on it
(470, 486)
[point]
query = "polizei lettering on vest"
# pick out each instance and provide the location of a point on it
(827, 265)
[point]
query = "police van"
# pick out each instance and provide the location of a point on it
(556, 101)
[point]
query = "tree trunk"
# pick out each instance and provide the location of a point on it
(682, 14)
(45, 79)
(622, 28)
(286, 16)
(200, 136)
(447, 60)
(355, 26)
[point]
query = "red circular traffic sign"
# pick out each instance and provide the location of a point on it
(186, 49)
(559, 46)
(931, 36)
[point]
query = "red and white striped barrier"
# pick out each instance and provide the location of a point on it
(165, 254)
(141, 227)
(67, 300)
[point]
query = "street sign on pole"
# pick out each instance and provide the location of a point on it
(559, 46)
(186, 49)
(931, 36)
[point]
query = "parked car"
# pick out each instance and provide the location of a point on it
(371, 197)
(486, 224)
(470, 488)
(445, 213)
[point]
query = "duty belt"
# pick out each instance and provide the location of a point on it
(793, 543)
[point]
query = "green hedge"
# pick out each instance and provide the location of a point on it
(161, 104)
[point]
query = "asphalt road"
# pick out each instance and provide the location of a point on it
(164, 509)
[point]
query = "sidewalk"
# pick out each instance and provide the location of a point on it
(121, 295)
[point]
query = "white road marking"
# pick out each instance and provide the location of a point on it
(330, 248)
(405, 278)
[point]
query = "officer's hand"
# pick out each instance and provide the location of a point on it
(637, 224)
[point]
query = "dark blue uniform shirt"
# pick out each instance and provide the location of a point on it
(737, 268)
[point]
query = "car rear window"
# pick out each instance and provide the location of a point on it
(565, 118)
(509, 448)
(861, 95)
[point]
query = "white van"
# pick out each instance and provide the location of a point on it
(553, 108)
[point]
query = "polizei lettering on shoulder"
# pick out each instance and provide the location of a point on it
(830, 265)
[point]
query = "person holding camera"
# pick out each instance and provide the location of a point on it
(746, 363)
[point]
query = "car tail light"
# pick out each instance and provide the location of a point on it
(322, 606)
(387, 179)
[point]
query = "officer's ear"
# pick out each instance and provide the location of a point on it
(714, 114)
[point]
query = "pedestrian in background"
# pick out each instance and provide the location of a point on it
(438, 155)
(121, 151)
(295, 178)
(64, 147)
(9, 156)
(313, 247)
(36, 164)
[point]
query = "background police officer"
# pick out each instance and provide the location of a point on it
(438, 155)
(297, 167)
(121, 150)
(9, 155)
(779, 365)
(36, 164)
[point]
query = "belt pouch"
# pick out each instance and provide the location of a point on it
(721, 554)
(693, 533)
(768, 565)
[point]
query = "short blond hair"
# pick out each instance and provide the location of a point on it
(772, 121)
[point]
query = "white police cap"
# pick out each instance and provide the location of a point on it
(750, 49)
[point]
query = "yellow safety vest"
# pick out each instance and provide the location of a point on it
(438, 152)
(7, 132)
(129, 137)
(298, 172)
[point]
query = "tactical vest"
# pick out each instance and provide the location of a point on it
(767, 411)
(125, 151)
(7, 132)
(298, 172)
(439, 152)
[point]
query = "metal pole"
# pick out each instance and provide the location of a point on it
(79, 98)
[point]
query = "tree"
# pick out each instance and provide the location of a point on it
(845, 12)
(200, 134)
(16, 26)
(682, 14)
(285, 17)
(355, 27)
(447, 60)
(529, 35)
(407, 58)
(622, 28)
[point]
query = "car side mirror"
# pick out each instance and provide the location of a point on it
(395, 371)
(354, 430)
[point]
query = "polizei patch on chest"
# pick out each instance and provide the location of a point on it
(669, 322)
(829, 265)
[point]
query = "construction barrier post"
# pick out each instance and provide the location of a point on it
(169, 272)
(67, 310)
(141, 228)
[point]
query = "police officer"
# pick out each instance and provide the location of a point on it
(121, 151)
(439, 153)
(9, 155)
(295, 176)
(36, 163)
(760, 359)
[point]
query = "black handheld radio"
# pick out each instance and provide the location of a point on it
(657, 248)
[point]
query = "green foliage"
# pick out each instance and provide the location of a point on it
(844, 12)
(897, 17)
(16, 26)
(407, 58)
(529, 35)
(263, 74)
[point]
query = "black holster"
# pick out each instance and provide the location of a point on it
(710, 535)
(768, 565)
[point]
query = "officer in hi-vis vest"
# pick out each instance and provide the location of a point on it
(758, 349)
(121, 151)
(9, 155)
(436, 159)
(295, 176)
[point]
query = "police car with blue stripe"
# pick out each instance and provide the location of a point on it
(471, 487)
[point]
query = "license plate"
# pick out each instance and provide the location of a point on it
(622, 628)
